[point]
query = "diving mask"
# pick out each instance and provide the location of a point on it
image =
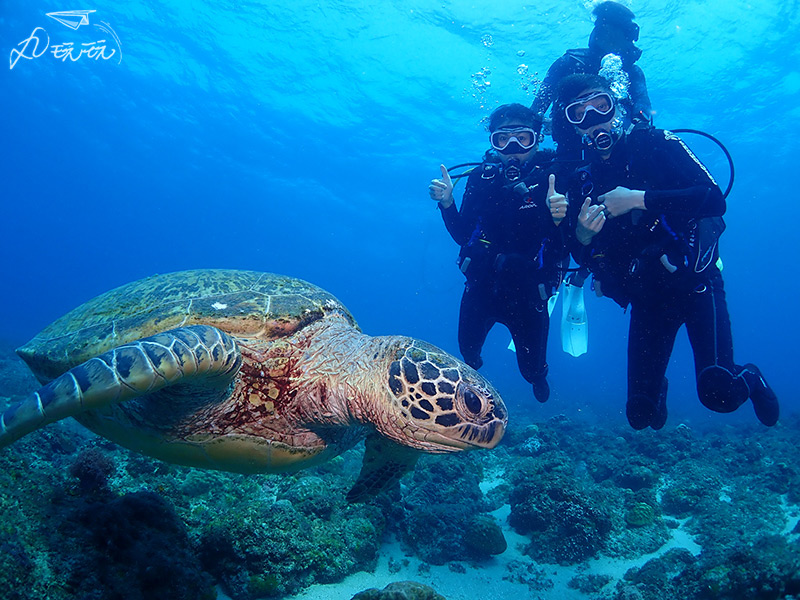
(513, 140)
(590, 110)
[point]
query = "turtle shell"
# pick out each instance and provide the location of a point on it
(246, 304)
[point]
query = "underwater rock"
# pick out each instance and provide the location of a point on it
(689, 488)
(448, 532)
(446, 479)
(769, 568)
(658, 572)
(589, 583)
(17, 566)
(266, 536)
(400, 590)
(484, 538)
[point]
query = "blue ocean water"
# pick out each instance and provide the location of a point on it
(300, 138)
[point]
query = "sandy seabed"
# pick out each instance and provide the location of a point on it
(490, 578)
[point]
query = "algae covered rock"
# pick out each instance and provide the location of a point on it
(484, 538)
(400, 590)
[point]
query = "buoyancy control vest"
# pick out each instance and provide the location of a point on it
(646, 251)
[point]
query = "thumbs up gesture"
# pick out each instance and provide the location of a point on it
(441, 190)
(557, 202)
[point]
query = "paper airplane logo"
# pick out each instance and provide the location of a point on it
(71, 18)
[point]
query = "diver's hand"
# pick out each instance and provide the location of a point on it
(441, 190)
(556, 202)
(622, 200)
(590, 221)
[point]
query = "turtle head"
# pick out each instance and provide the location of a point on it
(438, 403)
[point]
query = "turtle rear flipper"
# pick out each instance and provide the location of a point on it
(384, 463)
(129, 371)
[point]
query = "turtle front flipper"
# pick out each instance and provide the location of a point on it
(129, 371)
(384, 463)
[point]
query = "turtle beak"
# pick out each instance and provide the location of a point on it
(487, 435)
(467, 436)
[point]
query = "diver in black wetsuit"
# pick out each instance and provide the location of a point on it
(511, 245)
(647, 216)
(614, 33)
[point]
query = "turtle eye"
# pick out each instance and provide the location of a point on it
(471, 403)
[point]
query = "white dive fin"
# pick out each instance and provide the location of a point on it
(574, 325)
(551, 303)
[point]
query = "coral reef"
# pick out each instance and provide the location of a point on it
(92, 467)
(265, 545)
(566, 525)
(769, 569)
(87, 519)
(114, 543)
(82, 518)
(444, 513)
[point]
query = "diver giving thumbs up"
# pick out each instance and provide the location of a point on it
(441, 190)
(557, 202)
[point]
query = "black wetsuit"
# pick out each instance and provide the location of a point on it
(510, 254)
(585, 60)
(662, 261)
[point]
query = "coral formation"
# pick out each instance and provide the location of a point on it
(640, 514)
(445, 515)
(133, 547)
(401, 590)
(264, 545)
(92, 467)
(769, 569)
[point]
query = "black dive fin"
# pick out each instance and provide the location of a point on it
(384, 463)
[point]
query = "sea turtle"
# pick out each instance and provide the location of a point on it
(251, 373)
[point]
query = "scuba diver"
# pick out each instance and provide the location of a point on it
(647, 217)
(511, 244)
(614, 33)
